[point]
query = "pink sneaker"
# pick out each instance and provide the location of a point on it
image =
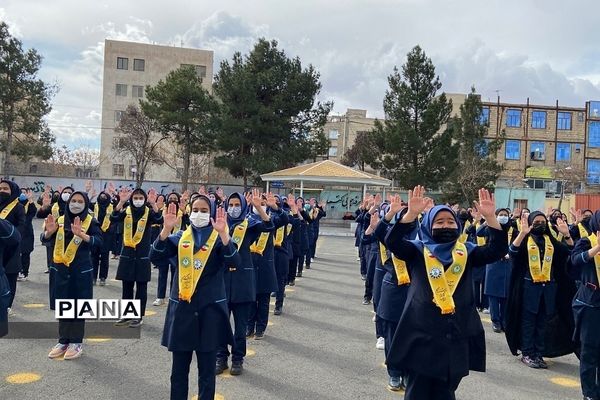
(74, 351)
(58, 351)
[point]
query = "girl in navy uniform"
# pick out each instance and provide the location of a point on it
(73, 236)
(240, 281)
(440, 337)
(134, 264)
(197, 316)
(370, 252)
(284, 248)
(585, 260)
(316, 213)
(9, 238)
(303, 237)
(581, 227)
(103, 209)
(27, 239)
(539, 316)
(14, 212)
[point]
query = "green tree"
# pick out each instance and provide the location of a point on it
(363, 152)
(477, 165)
(186, 112)
(270, 119)
(24, 101)
(414, 145)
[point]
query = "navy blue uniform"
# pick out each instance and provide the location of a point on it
(283, 255)
(9, 238)
(100, 255)
(27, 237)
(315, 216)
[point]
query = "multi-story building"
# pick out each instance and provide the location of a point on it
(128, 69)
(342, 130)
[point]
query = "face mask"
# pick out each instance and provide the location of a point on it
(553, 218)
(103, 200)
(76, 208)
(463, 215)
(264, 208)
(503, 219)
(586, 219)
(539, 229)
(55, 198)
(65, 196)
(307, 207)
(444, 235)
(138, 203)
(199, 220)
(4, 196)
(234, 212)
(22, 197)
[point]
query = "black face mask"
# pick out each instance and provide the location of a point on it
(586, 219)
(103, 201)
(463, 216)
(554, 218)
(538, 229)
(55, 198)
(444, 235)
(4, 197)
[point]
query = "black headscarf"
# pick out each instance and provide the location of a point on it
(539, 239)
(595, 222)
(15, 192)
(138, 212)
(70, 217)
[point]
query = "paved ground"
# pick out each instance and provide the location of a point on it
(322, 347)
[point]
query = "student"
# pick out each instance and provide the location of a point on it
(316, 213)
(163, 271)
(197, 316)
(581, 226)
(134, 264)
(440, 337)
(103, 210)
(371, 251)
(73, 237)
(240, 280)
(539, 316)
(283, 248)
(300, 239)
(12, 211)
(9, 238)
(27, 239)
(585, 260)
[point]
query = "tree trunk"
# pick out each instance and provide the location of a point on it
(139, 177)
(8, 151)
(245, 180)
(186, 162)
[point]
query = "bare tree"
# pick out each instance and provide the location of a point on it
(83, 161)
(171, 155)
(138, 140)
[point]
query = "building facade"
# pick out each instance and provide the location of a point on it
(128, 69)
(341, 131)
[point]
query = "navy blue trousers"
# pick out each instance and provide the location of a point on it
(259, 313)
(240, 312)
(589, 363)
(181, 370)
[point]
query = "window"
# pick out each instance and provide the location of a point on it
(118, 170)
(121, 89)
(538, 151)
(594, 109)
(564, 121)
(333, 152)
(200, 69)
(513, 150)
(577, 147)
(333, 134)
(139, 64)
(482, 147)
(137, 91)
(563, 152)
(538, 119)
(594, 134)
(513, 118)
(119, 115)
(122, 63)
(593, 172)
(484, 118)
(580, 116)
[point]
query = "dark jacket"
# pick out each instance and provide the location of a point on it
(28, 236)
(12, 257)
(264, 265)
(9, 238)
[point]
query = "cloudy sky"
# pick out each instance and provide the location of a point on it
(541, 49)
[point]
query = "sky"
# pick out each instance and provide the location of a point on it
(544, 50)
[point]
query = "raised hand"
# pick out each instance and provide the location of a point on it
(374, 221)
(152, 195)
(562, 227)
(272, 201)
(170, 217)
(429, 203)
(221, 194)
(220, 223)
(124, 194)
(202, 190)
(525, 227)
(76, 227)
(292, 203)
(111, 188)
(255, 198)
(417, 203)
(50, 225)
(46, 200)
(395, 204)
(578, 216)
(160, 202)
(486, 205)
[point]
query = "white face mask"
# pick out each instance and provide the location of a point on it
(264, 208)
(234, 212)
(199, 220)
(76, 208)
(503, 219)
(138, 203)
(65, 196)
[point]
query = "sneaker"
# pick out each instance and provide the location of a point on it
(530, 362)
(380, 344)
(357, 258)
(47, 271)
(299, 275)
(395, 383)
(236, 368)
(307, 266)
(158, 302)
(292, 283)
(58, 350)
(496, 328)
(277, 311)
(374, 318)
(221, 366)
(102, 282)
(11, 313)
(486, 311)
(273, 294)
(123, 322)
(259, 335)
(94, 282)
(366, 301)
(540, 361)
(73, 351)
(249, 333)
(136, 323)
(363, 277)
(21, 277)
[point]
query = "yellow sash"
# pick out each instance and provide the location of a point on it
(60, 255)
(55, 210)
(399, 265)
(582, 231)
(130, 240)
(239, 232)
(279, 235)
(192, 265)
(464, 236)
(289, 229)
(480, 239)
(6, 210)
(558, 237)
(540, 272)
(260, 245)
(106, 221)
(443, 283)
(510, 233)
(594, 242)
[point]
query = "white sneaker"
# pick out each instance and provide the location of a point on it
(158, 302)
(380, 344)
(486, 311)
(21, 277)
(10, 312)
(375, 318)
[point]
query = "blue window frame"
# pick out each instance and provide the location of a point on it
(512, 150)
(593, 172)
(513, 118)
(594, 134)
(564, 121)
(563, 152)
(484, 118)
(538, 151)
(594, 109)
(538, 119)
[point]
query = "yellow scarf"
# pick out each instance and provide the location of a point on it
(540, 272)
(558, 237)
(192, 265)
(279, 235)
(464, 236)
(56, 210)
(239, 233)
(399, 265)
(60, 255)
(444, 283)
(130, 240)
(480, 239)
(510, 233)
(260, 245)
(582, 231)
(594, 242)
(106, 220)
(6, 210)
